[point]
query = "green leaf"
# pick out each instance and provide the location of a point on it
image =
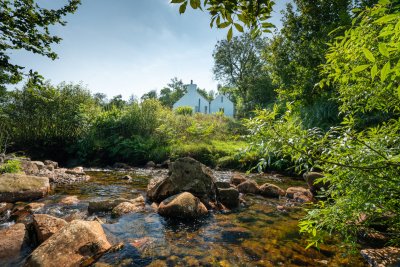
(385, 71)
(398, 91)
(374, 71)
(387, 18)
(182, 8)
(238, 27)
(177, 1)
(360, 68)
(383, 49)
(195, 4)
(230, 33)
(223, 24)
(368, 54)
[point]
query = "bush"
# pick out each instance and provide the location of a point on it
(11, 166)
(184, 110)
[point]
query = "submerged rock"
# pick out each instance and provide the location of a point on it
(71, 245)
(34, 206)
(186, 175)
(248, 186)
(388, 256)
(229, 197)
(126, 177)
(110, 204)
(45, 226)
(12, 241)
(69, 200)
(270, 190)
(182, 206)
(21, 187)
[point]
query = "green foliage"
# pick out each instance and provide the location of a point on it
(25, 25)
(11, 166)
(172, 93)
(252, 14)
(239, 66)
(44, 118)
(184, 110)
(362, 166)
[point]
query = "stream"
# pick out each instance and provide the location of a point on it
(257, 234)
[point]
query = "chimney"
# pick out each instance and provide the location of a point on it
(191, 81)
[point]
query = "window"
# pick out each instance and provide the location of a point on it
(205, 109)
(222, 99)
(221, 110)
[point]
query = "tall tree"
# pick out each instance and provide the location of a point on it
(172, 92)
(25, 25)
(239, 66)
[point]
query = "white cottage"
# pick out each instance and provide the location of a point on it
(223, 104)
(193, 99)
(200, 104)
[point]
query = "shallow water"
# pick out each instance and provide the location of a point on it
(257, 234)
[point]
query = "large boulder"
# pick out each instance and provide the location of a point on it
(229, 197)
(74, 243)
(270, 190)
(12, 241)
(186, 175)
(310, 178)
(21, 187)
(46, 225)
(182, 206)
(248, 186)
(388, 256)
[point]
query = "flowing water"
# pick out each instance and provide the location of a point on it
(258, 234)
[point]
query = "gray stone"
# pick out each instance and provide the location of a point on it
(186, 175)
(229, 197)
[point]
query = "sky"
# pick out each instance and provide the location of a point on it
(129, 47)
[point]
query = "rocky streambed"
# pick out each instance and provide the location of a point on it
(109, 220)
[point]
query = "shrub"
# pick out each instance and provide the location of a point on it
(184, 110)
(11, 166)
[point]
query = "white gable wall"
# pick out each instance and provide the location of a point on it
(222, 102)
(192, 99)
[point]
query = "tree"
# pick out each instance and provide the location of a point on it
(150, 95)
(239, 66)
(172, 92)
(25, 25)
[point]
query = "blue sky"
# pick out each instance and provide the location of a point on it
(130, 47)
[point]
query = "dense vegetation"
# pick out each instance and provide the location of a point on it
(68, 124)
(329, 83)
